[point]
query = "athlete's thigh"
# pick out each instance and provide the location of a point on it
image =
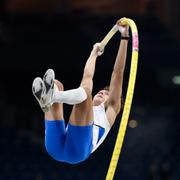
(55, 113)
(82, 114)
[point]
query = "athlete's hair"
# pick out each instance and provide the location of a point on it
(107, 88)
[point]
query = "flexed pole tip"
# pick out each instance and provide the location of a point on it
(122, 21)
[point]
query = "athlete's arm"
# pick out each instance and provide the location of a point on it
(114, 102)
(89, 69)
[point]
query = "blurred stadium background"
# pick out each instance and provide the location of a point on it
(36, 35)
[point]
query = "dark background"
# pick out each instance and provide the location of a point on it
(37, 35)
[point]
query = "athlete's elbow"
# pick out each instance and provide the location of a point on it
(87, 74)
(118, 71)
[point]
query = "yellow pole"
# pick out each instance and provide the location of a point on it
(128, 101)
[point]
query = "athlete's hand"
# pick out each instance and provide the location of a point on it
(123, 29)
(96, 50)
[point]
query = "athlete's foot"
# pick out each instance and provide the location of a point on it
(38, 89)
(59, 85)
(49, 79)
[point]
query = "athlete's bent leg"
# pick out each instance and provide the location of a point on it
(55, 129)
(78, 144)
(72, 144)
(56, 111)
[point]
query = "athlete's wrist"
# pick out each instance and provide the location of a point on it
(125, 37)
(93, 54)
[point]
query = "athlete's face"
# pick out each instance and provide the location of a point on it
(100, 97)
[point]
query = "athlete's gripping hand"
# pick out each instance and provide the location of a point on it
(97, 50)
(123, 29)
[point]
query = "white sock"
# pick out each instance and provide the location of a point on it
(73, 96)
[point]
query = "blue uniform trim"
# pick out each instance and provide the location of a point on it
(101, 133)
(72, 144)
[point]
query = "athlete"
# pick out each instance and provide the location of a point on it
(90, 119)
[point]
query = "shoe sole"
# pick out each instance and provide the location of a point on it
(38, 94)
(50, 85)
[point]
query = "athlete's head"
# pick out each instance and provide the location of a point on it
(101, 97)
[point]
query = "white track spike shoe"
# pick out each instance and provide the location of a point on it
(48, 80)
(38, 89)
